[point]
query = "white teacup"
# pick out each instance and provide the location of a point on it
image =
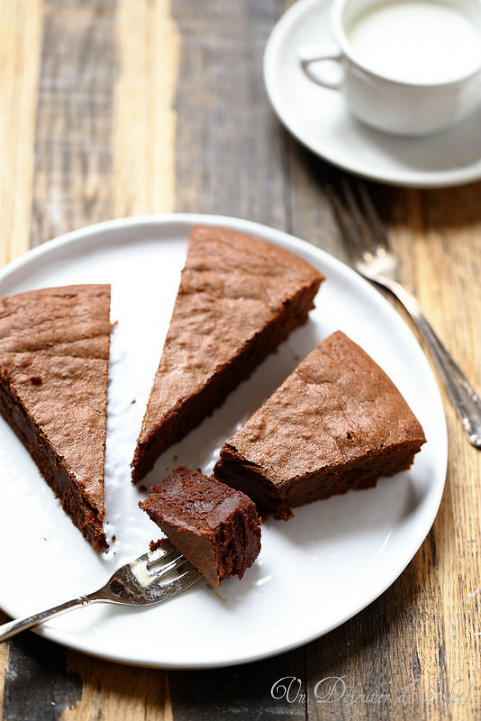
(408, 67)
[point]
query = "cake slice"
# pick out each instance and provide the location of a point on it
(215, 527)
(336, 423)
(54, 350)
(239, 297)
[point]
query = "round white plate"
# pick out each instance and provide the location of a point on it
(318, 118)
(314, 572)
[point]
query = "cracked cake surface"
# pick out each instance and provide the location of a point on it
(238, 298)
(54, 352)
(336, 423)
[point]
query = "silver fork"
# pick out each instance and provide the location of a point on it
(150, 579)
(372, 257)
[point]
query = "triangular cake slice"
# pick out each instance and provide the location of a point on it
(239, 297)
(336, 423)
(54, 351)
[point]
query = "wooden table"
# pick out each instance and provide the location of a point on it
(112, 108)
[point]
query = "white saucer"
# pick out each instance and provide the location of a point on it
(317, 117)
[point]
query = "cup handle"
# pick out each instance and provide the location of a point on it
(317, 53)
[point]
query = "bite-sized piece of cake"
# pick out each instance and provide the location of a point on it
(239, 297)
(54, 352)
(336, 423)
(215, 527)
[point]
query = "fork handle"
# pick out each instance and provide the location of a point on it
(13, 627)
(462, 394)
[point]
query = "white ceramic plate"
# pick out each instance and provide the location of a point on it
(314, 572)
(317, 117)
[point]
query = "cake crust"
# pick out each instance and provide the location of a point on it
(336, 423)
(215, 527)
(54, 350)
(239, 297)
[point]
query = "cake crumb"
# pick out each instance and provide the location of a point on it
(154, 545)
(216, 593)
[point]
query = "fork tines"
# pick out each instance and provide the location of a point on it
(156, 565)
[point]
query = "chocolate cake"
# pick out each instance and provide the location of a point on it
(54, 351)
(216, 528)
(239, 297)
(336, 423)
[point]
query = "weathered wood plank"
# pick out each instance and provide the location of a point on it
(20, 42)
(73, 168)
(230, 154)
(442, 236)
(143, 146)
(37, 685)
(253, 691)
(118, 693)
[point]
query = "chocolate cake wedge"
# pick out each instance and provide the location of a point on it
(215, 527)
(239, 297)
(336, 423)
(54, 353)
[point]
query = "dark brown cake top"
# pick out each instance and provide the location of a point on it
(335, 407)
(188, 500)
(54, 349)
(232, 286)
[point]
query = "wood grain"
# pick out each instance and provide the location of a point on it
(37, 685)
(239, 692)
(118, 693)
(445, 246)
(143, 179)
(230, 150)
(73, 155)
(20, 42)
